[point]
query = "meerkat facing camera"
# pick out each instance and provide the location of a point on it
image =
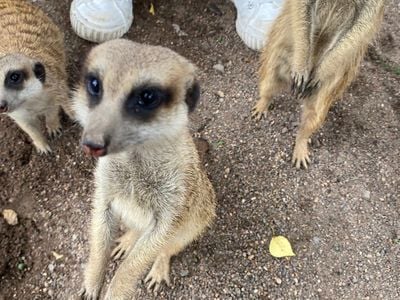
(33, 78)
(317, 45)
(133, 102)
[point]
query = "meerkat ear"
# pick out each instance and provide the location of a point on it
(193, 95)
(39, 71)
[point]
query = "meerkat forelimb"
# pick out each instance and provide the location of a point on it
(133, 103)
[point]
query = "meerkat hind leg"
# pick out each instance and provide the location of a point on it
(269, 85)
(274, 72)
(314, 113)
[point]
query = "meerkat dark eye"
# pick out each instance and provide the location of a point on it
(144, 101)
(149, 99)
(94, 89)
(14, 79)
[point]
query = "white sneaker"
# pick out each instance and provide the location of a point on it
(101, 20)
(254, 19)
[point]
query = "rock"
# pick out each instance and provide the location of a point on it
(284, 130)
(278, 280)
(316, 240)
(178, 30)
(21, 266)
(220, 94)
(10, 216)
(219, 67)
(51, 267)
(184, 273)
(366, 195)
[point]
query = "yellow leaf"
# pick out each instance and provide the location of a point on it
(280, 247)
(56, 255)
(152, 10)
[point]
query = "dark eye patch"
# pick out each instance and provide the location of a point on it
(15, 79)
(39, 71)
(94, 88)
(144, 101)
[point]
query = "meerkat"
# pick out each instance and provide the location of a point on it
(317, 45)
(33, 78)
(133, 102)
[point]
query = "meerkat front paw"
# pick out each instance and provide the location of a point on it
(301, 155)
(42, 148)
(310, 87)
(54, 132)
(89, 293)
(125, 244)
(299, 81)
(158, 273)
(259, 111)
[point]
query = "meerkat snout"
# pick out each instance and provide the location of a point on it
(3, 106)
(95, 149)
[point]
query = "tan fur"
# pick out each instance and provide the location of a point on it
(28, 36)
(318, 46)
(151, 178)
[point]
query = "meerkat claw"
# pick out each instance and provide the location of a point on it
(55, 133)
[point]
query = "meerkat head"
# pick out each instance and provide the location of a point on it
(131, 94)
(21, 81)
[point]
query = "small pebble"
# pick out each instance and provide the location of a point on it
(220, 94)
(219, 67)
(316, 240)
(278, 280)
(10, 216)
(51, 268)
(366, 195)
(21, 266)
(184, 273)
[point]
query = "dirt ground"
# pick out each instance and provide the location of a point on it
(341, 215)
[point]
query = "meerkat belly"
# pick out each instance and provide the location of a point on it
(131, 214)
(330, 22)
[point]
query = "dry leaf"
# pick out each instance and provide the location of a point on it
(280, 247)
(152, 10)
(10, 216)
(56, 255)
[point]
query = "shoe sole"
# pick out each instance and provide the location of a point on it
(92, 35)
(251, 41)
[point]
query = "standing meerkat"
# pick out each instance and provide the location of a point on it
(133, 102)
(33, 78)
(318, 46)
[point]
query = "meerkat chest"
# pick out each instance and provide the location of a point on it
(131, 214)
(138, 193)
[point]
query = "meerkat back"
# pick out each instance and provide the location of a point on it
(32, 69)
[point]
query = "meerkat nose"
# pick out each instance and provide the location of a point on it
(93, 149)
(3, 106)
